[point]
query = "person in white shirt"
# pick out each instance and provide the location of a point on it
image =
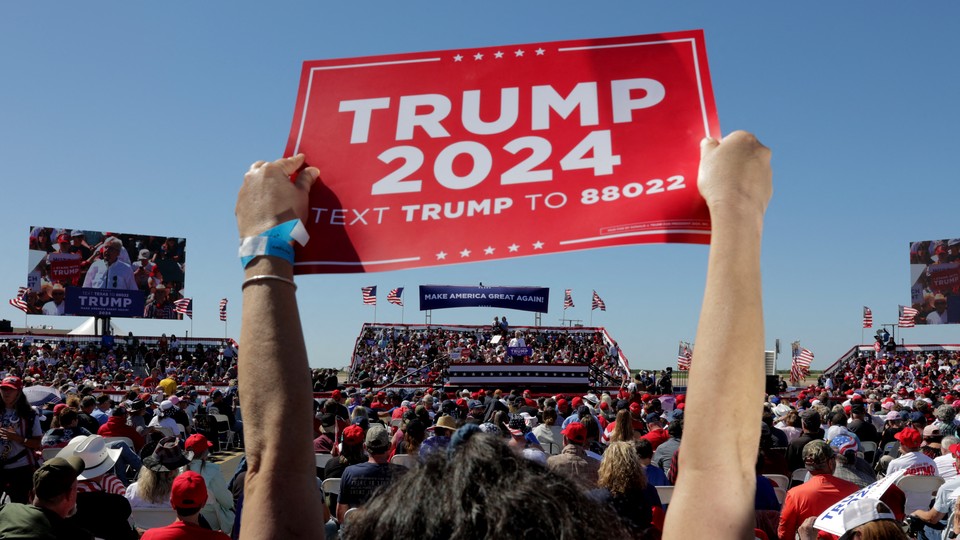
(946, 464)
(109, 272)
(57, 306)
(916, 463)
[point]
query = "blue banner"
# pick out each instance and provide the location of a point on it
(104, 302)
(533, 299)
(519, 351)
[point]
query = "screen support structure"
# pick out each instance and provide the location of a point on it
(101, 326)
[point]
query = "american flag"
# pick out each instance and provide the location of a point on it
(598, 303)
(800, 367)
(907, 315)
(369, 295)
(867, 317)
(223, 310)
(567, 299)
(184, 305)
(684, 356)
(394, 296)
(20, 302)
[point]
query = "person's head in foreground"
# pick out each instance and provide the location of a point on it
(188, 495)
(870, 519)
(55, 485)
(492, 490)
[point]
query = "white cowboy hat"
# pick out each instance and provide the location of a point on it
(93, 450)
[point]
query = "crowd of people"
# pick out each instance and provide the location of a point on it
(420, 355)
(118, 363)
(123, 454)
(486, 463)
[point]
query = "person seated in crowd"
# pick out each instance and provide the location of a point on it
(219, 508)
(573, 459)
(944, 501)
(914, 462)
(438, 442)
(58, 437)
(810, 421)
(735, 181)
(623, 486)
(188, 496)
(152, 488)
(851, 467)
(100, 461)
(815, 495)
(54, 500)
(654, 474)
(663, 455)
(548, 433)
(117, 426)
(360, 481)
(164, 418)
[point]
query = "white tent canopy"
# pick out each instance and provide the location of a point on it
(88, 328)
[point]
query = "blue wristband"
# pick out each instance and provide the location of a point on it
(274, 242)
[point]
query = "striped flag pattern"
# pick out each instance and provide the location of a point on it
(907, 315)
(567, 299)
(800, 367)
(867, 317)
(369, 295)
(394, 296)
(684, 356)
(223, 310)
(184, 306)
(598, 303)
(20, 302)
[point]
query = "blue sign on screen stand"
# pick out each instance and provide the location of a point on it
(104, 302)
(520, 351)
(533, 299)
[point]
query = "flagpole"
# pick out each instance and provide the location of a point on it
(591, 317)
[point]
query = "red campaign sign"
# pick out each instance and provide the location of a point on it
(489, 153)
(65, 270)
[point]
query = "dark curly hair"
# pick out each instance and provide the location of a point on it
(483, 490)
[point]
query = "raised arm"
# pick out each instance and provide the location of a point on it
(281, 499)
(715, 494)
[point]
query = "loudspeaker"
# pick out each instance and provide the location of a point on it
(5, 326)
(773, 385)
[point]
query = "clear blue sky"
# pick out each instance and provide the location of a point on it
(143, 116)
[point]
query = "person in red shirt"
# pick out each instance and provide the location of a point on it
(817, 494)
(117, 426)
(187, 496)
(655, 432)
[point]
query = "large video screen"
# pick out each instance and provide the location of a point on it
(935, 281)
(104, 274)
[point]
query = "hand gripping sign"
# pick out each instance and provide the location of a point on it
(498, 152)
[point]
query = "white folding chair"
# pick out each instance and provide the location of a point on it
(923, 485)
(665, 493)
(781, 494)
(782, 481)
(405, 460)
(149, 518)
(322, 459)
(331, 486)
(222, 420)
(799, 476)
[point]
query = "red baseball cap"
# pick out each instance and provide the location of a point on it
(353, 435)
(12, 382)
(336, 394)
(646, 397)
(197, 443)
(955, 450)
(909, 437)
(189, 491)
(635, 409)
(575, 432)
(577, 402)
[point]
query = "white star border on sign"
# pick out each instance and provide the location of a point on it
(499, 55)
(465, 253)
(441, 256)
